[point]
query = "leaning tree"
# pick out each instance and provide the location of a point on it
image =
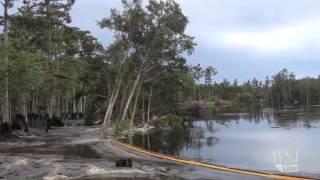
(145, 38)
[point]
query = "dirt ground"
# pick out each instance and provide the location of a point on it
(77, 152)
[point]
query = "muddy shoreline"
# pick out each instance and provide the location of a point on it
(77, 152)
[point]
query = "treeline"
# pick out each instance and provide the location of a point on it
(50, 71)
(281, 89)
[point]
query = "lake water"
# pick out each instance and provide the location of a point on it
(285, 141)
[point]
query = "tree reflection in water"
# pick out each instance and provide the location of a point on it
(197, 134)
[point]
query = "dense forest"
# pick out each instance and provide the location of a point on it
(281, 89)
(51, 71)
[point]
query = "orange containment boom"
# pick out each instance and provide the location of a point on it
(208, 165)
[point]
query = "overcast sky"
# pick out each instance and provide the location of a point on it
(241, 38)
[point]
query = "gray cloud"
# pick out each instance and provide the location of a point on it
(243, 39)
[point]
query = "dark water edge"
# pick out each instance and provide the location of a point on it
(80, 151)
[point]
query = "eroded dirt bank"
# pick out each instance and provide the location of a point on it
(77, 152)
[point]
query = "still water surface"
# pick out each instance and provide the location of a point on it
(283, 141)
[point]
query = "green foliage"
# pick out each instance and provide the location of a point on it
(119, 127)
(214, 99)
(173, 120)
(34, 73)
(146, 58)
(3, 65)
(245, 99)
(208, 73)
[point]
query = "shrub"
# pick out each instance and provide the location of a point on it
(119, 128)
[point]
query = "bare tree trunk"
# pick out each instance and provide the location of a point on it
(136, 82)
(208, 88)
(123, 97)
(148, 140)
(113, 98)
(50, 105)
(110, 106)
(56, 69)
(81, 105)
(37, 105)
(5, 125)
(33, 106)
(194, 92)
(142, 112)
(51, 78)
(1, 111)
(10, 109)
(63, 109)
(25, 113)
(108, 114)
(199, 98)
(134, 108)
(74, 105)
(149, 106)
(58, 105)
(289, 95)
(128, 117)
(112, 101)
(67, 107)
(84, 104)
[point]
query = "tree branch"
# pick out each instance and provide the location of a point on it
(98, 95)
